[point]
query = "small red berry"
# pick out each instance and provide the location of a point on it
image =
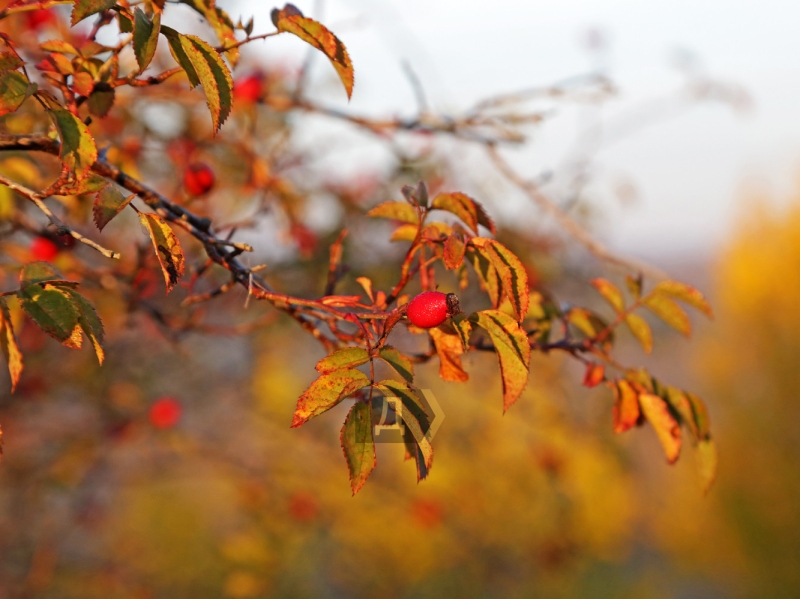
(44, 249)
(165, 412)
(249, 89)
(198, 178)
(431, 308)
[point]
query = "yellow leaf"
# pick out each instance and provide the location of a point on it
(512, 273)
(641, 330)
(358, 444)
(626, 406)
(707, 460)
(667, 428)
(290, 19)
(168, 249)
(668, 311)
(685, 293)
(8, 343)
(327, 391)
(610, 293)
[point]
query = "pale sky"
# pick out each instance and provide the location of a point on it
(689, 171)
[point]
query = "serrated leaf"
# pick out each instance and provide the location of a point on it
(512, 273)
(401, 211)
(168, 248)
(398, 361)
(463, 328)
(417, 423)
(29, 5)
(641, 330)
(53, 311)
(78, 150)
(83, 83)
(86, 8)
(107, 204)
(610, 293)
(487, 275)
(454, 248)
(684, 293)
(59, 46)
(291, 20)
(179, 54)
(9, 346)
(125, 22)
(221, 23)
(347, 357)
(37, 272)
(667, 429)
(213, 74)
(404, 233)
(460, 204)
(10, 61)
(449, 349)
(14, 90)
(513, 351)
(668, 311)
(626, 406)
(358, 444)
(327, 391)
(90, 322)
(707, 461)
(145, 37)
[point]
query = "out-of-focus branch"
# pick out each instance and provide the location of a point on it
(573, 228)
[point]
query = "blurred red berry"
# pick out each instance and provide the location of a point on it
(305, 239)
(44, 249)
(427, 513)
(431, 308)
(249, 89)
(37, 19)
(303, 507)
(165, 412)
(198, 179)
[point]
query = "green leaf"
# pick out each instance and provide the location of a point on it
(398, 361)
(53, 310)
(463, 328)
(707, 461)
(358, 444)
(78, 150)
(416, 421)
(145, 37)
(610, 293)
(107, 204)
(347, 357)
(168, 248)
(10, 61)
(667, 429)
(221, 23)
(179, 54)
(86, 8)
(512, 273)
(125, 22)
(513, 351)
(90, 322)
(14, 90)
(684, 293)
(101, 99)
(291, 20)
(641, 330)
(668, 311)
(37, 272)
(327, 391)
(8, 343)
(401, 211)
(213, 74)
(700, 413)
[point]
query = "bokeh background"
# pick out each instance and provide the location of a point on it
(172, 472)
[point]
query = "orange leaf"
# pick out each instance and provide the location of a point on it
(290, 19)
(449, 348)
(168, 249)
(667, 428)
(454, 251)
(626, 406)
(594, 375)
(610, 293)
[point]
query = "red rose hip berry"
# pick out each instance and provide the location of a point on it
(198, 179)
(431, 308)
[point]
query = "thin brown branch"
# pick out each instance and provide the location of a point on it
(572, 227)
